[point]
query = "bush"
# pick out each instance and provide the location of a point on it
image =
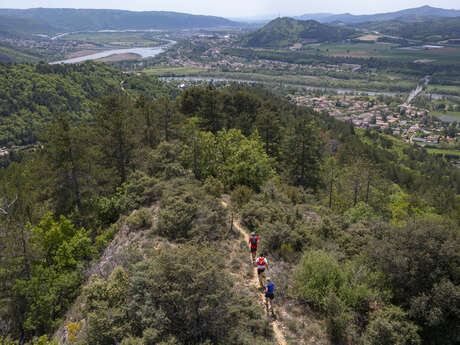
(277, 236)
(132, 341)
(139, 190)
(240, 196)
(175, 219)
(318, 275)
(390, 326)
(337, 320)
(213, 186)
(174, 170)
(140, 219)
(361, 212)
(165, 154)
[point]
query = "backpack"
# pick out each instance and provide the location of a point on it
(261, 261)
(254, 241)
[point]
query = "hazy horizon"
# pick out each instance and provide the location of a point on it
(238, 8)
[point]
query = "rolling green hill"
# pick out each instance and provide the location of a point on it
(424, 30)
(12, 26)
(68, 19)
(283, 32)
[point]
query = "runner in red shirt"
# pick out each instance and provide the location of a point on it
(253, 242)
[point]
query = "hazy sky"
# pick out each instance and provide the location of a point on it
(239, 8)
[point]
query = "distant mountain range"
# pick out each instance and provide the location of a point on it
(283, 32)
(429, 30)
(411, 14)
(47, 20)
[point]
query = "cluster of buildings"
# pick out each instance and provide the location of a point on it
(44, 47)
(214, 59)
(406, 121)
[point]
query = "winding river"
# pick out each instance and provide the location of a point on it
(143, 52)
(339, 91)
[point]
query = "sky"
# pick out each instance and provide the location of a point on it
(240, 8)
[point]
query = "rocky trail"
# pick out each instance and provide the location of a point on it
(279, 336)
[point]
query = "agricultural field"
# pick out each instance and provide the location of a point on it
(172, 71)
(446, 55)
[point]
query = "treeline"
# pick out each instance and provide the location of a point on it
(367, 226)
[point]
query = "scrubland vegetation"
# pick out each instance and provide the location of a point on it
(362, 231)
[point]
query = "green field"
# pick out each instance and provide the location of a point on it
(172, 71)
(455, 114)
(449, 55)
(444, 89)
(444, 151)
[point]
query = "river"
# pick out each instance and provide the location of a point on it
(339, 91)
(143, 52)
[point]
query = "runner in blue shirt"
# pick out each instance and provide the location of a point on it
(269, 295)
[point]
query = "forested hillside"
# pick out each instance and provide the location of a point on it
(70, 19)
(430, 30)
(283, 32)
(33, 95)
(17, 27)
(361, 230)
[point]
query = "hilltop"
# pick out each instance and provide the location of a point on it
(407, 14)
(284, 32)
(69, 19)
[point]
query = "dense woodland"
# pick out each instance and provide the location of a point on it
(284, 32)
(32, 95)
(380, 263)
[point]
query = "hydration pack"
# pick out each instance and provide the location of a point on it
(261, 261)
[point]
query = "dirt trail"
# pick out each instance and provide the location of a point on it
(255, 281)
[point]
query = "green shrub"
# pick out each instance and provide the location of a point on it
(102, 211)
(337, 320)
(132, 341)
(139, 190)
(175, 219)
(103, 240)
(213, 186)
(240, 196)
(8, 341)
(361, 212)
(317, 275)
(280, 238)
(174, 170)
(390, 326)
(150, 336)
(140, 219)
